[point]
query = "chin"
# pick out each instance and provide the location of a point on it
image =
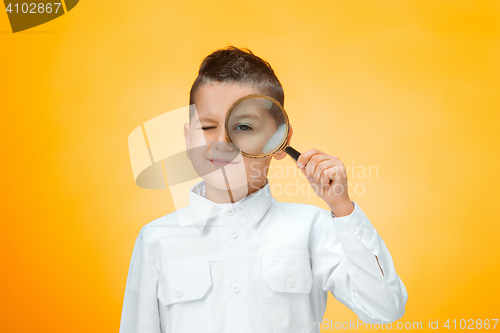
(235, 179)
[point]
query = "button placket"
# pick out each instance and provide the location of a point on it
(234, 222)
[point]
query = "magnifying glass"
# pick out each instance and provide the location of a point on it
(258, 126)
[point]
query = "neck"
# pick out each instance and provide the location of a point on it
(234, 194)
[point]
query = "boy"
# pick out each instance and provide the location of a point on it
(238, 260)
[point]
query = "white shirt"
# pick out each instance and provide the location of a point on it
(257, 265)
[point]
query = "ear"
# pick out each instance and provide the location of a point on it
(282, 154)
(186, 137)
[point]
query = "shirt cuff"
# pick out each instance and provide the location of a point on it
(355, 224)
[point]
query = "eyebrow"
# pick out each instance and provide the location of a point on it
(208, 119)
(248, 115)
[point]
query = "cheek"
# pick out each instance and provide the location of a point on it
(197, 139)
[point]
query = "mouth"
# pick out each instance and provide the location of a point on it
(219, 161)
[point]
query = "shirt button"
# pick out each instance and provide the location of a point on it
(230, 212)
(291, 283)
(178, 293)
(359, 230)
(236, 288)
(234, 234)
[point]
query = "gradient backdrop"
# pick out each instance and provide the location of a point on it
(409, 87)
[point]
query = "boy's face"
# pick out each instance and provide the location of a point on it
(208, 148)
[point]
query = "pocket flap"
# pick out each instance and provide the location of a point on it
(184, 283)
(291, 275)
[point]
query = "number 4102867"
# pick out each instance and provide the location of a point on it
(471, 324)
(34, 8)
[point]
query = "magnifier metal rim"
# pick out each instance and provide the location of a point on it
(281, 146)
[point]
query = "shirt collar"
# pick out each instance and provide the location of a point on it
(203, 210)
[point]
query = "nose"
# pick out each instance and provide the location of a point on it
(219, 141)
(221, 134)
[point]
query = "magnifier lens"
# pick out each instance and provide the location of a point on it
(257, 126)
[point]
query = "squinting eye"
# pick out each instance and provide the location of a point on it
(207, 128)
(242, 127)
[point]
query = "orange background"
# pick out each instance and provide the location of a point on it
(410, 87)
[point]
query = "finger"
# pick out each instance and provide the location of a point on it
(328, 175)
(320, 168)
(339, 179)
(305, 156)
(313, 162)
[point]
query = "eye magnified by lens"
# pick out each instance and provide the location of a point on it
(258, 126)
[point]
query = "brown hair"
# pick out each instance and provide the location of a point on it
(238, 65)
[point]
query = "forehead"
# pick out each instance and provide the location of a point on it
(215, 99)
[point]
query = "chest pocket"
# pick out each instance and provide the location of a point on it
(286, 303)
(184, 295)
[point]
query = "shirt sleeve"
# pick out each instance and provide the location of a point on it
(344, 263)
(140, 305)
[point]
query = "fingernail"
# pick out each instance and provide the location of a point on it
(300, 165)
(311, 179)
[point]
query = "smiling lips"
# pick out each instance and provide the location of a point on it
(219, 161)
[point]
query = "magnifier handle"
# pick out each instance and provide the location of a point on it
(293, 153)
